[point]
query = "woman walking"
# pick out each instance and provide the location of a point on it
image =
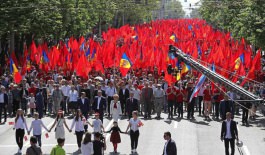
(115, 108)
(20, 126)
(79, 121)
(58, 123)
(87, 145)
(134, 125)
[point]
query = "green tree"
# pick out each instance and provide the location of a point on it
(244, 18)
(173, 9)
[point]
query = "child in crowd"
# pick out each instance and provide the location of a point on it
(37, 125)
(32, 104)
(115, 135)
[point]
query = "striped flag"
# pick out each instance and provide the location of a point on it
(198, 87)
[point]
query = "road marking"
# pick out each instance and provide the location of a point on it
(43, 145)
(246, 151)
(108, 128)
(175, 124)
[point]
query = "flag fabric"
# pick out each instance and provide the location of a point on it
(125, 64)
(14, 71)
(238, 61)
(197, 87)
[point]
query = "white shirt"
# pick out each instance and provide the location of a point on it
(97, 125)
(31, 99)
(20, 124)
(111, 91)
(158, 93)
(65, 89)
(83, 100)
(73, 95)
(165, 148)
(134, 124)
(228, 132)
(136, 94)
(87, 149)
(2, 98)
(37, 125)
(79, 125)
(99, 99)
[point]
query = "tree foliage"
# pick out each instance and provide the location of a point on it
(22, 20)
(244, 18)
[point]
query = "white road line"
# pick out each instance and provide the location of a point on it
(107, 136)
(175, 124)
(246, 151)
(43, 145)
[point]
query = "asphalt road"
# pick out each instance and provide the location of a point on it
(193, 137)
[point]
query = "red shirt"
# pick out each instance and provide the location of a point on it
(140, 87)
(180, 95)
(32, 90)
(220, 97)
(207, 95)
(171, 97)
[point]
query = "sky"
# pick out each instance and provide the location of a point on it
(186, 5)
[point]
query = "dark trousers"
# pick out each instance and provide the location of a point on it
(123, 106)
(79, 137)
(180, 109)
(109, 100)
(200, 104)
(24, 105)
(217, 109)
(3, 108)
(244, 115)
(38, 139)
(40, 111)
(170, 107)
(134, 135)
(15, 106)
(63, 105)
(191, 108)
(147, 108)
(232, 145)
(45, 105)
(19, 137)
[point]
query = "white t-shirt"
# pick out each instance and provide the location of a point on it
(87, 149)
(97, 125)
(134, 124)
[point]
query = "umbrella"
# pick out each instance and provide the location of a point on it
(99, 78)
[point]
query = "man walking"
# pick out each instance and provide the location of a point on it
(170, 147)
(147, 94)
(229, 133)
(159, 100)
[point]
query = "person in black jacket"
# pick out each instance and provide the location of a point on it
(98, 145)
(83, 105)
(99, 105)
(123, 96)
(3, 103)
(170, 147)
(229, 135)
(131, 105)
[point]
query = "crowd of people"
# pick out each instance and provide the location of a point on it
(142, 92)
